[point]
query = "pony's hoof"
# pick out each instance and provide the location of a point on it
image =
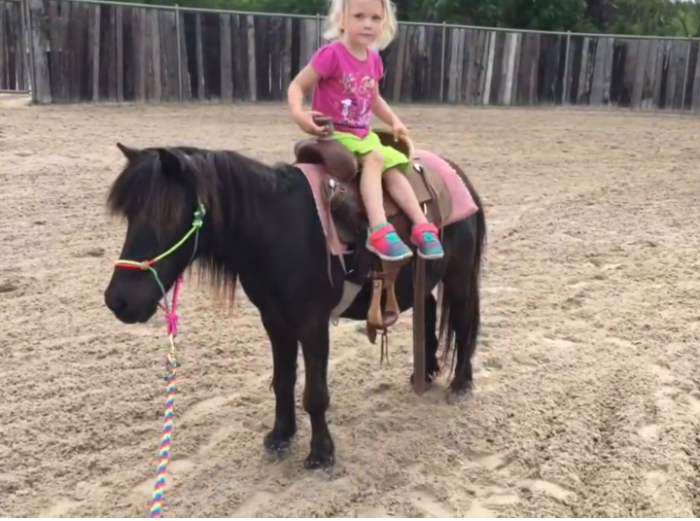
(456, 393)
(313, 462)
(322, 455)
(277, 443)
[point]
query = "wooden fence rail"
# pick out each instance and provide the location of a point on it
(88, 51)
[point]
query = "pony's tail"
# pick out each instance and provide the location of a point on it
(473, 311)
(480, 245)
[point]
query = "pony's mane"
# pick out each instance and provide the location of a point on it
(141, 190)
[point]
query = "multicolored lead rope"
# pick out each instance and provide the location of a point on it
(169, 414)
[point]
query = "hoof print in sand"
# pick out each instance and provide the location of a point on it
(10, 286)
(91, 252)
(254, 504)
(429, 504)
(495, 462)
(550, 489)
(649, 432)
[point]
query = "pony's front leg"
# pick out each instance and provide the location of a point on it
(284, 376)
(315, 347)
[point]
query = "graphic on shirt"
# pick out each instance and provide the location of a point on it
(357, 101)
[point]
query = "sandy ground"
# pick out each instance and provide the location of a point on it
(587, 399)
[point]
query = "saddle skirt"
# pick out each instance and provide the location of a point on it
(438, 187)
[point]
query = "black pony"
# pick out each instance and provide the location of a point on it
(260, 224)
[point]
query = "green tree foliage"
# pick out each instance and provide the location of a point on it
(653, 17)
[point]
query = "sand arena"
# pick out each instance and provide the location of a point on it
(587, 398)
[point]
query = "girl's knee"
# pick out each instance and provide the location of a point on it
(374, 158)
(392, 172)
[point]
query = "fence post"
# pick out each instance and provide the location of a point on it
(178, 32)
(318, 30)
(37, 21)
(685, 74)
(28, 47)
(442, 62)
(567, 83)
(25, 48)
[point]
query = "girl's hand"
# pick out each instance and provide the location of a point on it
(305, 120)
(399, 129)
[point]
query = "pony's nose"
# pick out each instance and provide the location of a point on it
(115, 303)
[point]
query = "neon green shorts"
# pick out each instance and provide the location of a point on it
(392, 157)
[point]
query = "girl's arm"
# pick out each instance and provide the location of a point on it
(382, 110)
(305, 80)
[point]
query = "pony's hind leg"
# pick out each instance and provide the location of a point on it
(315, 347)
(432, 367)
(464, 318)
(284, 375)
(462, 315)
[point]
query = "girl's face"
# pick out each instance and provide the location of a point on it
(363, 22)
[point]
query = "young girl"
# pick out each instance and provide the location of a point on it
(345, 75)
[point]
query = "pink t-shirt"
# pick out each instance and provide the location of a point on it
(346, 89)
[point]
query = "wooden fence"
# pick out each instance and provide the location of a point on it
(13, 49)
(87, 51)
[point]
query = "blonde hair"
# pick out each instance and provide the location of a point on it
(339, 9)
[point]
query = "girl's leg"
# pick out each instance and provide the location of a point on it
(383, 239)
(424, 234)
(402, 192)
(371, 188)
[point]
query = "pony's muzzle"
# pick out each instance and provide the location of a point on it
(126, 307)
(115, 303)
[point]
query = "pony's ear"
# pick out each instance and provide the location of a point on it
(131, 154)
(170, 163)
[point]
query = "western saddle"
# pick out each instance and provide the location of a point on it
(341, 194)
